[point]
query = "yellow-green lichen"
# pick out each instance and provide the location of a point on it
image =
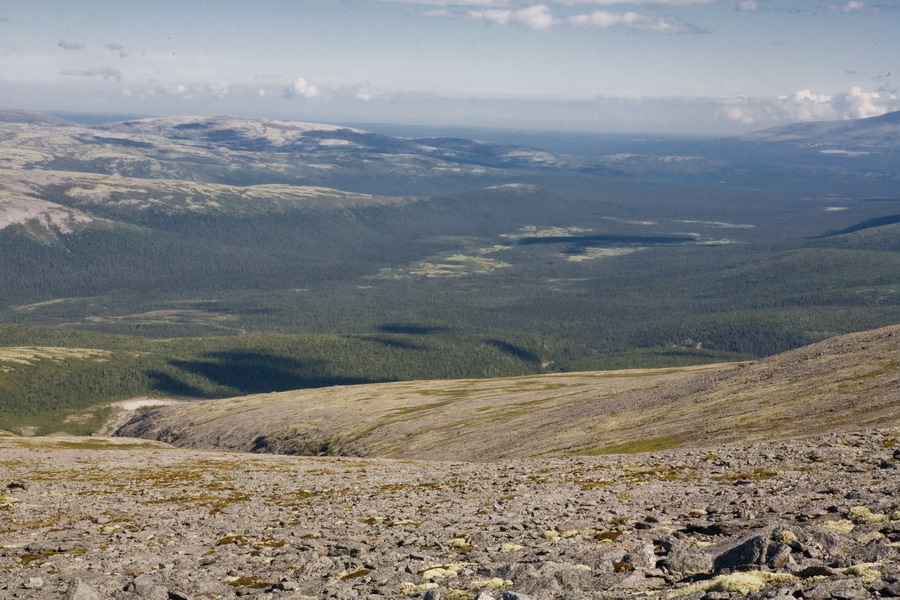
(552, 536)
(494, 583)
(409, 589)
(862, 514)
(743, 583)
(865, 571)
(839, 526)
(460, 544)
(786, 536)
(447, 571)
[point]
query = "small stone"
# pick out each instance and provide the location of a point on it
(288, 586)
(841, 589)
(749, 552)
(79, 590)
(686, 559)
(642, 557)
(891, 590)
(515, 596)
(147, 588)
(814, 571)
(34, 583)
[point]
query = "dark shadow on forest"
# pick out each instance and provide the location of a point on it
(412, 329)
(215, 307)
(396, 343)
(516, 351)
(165, 383)
(246, 372)
(870, 224)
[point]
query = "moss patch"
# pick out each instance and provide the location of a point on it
(641, 445)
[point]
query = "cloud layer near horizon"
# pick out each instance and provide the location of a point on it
(606, 63)
(540, 17)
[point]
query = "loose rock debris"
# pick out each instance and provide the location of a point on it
(96, 518)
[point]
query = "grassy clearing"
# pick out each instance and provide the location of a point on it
(641, 445)
(66, 421)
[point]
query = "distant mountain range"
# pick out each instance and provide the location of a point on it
(61, 177)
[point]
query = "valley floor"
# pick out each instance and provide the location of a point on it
(91, 518)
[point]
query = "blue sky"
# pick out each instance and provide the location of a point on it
(663, 66)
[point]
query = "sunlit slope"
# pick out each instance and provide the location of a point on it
(844, 383)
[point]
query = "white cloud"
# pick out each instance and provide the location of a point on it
(790, 7)
(117, 48)
(218, 90)
(176, 89)
(540, 17)
(852, 6)
(536, 17)
(104, 72)
(737, 108)
(634, 21)
(855, 6)
(303, 88)
(486, 4)
(860, 105)
(470, 3)
(71, 45)
(641, 2)
(365, 92)
(805, 105)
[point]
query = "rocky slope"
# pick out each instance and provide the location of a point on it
(840, 384)
(85, 519)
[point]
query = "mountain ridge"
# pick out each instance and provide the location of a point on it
(872, 133)
(852, 380)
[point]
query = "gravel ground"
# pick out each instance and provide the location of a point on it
(91, 518)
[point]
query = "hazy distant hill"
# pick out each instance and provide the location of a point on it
(16, 115)
(879, 133)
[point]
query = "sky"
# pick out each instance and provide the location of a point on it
(704, 67)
